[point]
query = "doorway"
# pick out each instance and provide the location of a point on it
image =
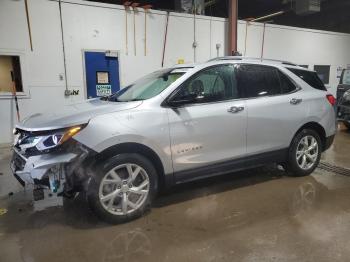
(102, 73)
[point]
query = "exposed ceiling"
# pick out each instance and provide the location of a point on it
(334, 15)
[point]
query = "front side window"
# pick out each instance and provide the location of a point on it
(258, 80)
(213, 84)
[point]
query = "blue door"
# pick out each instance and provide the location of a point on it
(102, 74)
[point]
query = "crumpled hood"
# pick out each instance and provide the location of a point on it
(74, 114)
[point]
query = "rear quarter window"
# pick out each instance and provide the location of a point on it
(310, 78)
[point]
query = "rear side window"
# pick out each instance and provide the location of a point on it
(259, 80)
(310, 78)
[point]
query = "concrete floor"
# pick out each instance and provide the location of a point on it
(256, 215)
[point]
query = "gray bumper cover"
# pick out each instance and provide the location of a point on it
(37, 166)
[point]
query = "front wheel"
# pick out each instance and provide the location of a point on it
(122, 188)
(304, 153)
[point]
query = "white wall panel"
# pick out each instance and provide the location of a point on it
(219, 32)
(180, 39)
(13, 30)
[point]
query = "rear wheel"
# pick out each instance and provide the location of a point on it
(122, 188)
(304, 153)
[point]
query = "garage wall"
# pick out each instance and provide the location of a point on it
(40, 68)
(92, 26)
(301, 46)
(99, 28)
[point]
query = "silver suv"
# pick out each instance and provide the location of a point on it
(176, 125)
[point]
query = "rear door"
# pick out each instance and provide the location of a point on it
(275, 107)
(211, 130)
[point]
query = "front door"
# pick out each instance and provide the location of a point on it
(211, 130)
(102, 74)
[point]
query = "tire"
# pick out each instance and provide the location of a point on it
(117, 197)
(295, 165)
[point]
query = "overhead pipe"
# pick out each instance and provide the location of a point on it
(126, 6)
(246, 37)
(194, 45)
(263, 43)
(134, 7)
(248, 20)
(14, 94)
(267, 16)
(146, 9)
(165, 36)
(28, 24)
(232, 19)
(66, 92)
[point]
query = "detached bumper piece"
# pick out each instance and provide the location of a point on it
(46, 173)
(34, 169)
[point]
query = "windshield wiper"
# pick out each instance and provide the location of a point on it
(111, 98)
(135, 99)
(104, 98)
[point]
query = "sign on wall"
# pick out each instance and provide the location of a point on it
(103, 90)
(102, 77)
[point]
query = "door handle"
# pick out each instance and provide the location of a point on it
(235, 109)
(295, 101)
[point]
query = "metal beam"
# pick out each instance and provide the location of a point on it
(232, 31)
(267, 16)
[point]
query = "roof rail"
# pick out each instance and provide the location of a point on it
(226, 58)
(250, 58)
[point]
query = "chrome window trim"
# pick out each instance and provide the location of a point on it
(166, 105)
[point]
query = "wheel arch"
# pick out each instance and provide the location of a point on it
(317, 128)
(137, 148)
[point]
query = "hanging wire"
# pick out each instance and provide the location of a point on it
(246, 37)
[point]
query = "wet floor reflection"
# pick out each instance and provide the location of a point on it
(256, 215)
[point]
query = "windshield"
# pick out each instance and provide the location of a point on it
(148, 86)
(346, 77)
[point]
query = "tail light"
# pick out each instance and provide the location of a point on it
(331, 99)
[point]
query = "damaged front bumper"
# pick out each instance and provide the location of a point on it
(34, 168)
(53, 171)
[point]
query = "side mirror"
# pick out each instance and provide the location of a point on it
(188, 99)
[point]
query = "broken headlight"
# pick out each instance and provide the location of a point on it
(46, 141)
(56, 139)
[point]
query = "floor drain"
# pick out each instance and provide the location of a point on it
(334, 169)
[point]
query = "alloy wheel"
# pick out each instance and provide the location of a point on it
(307, 152)
(124, 189)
